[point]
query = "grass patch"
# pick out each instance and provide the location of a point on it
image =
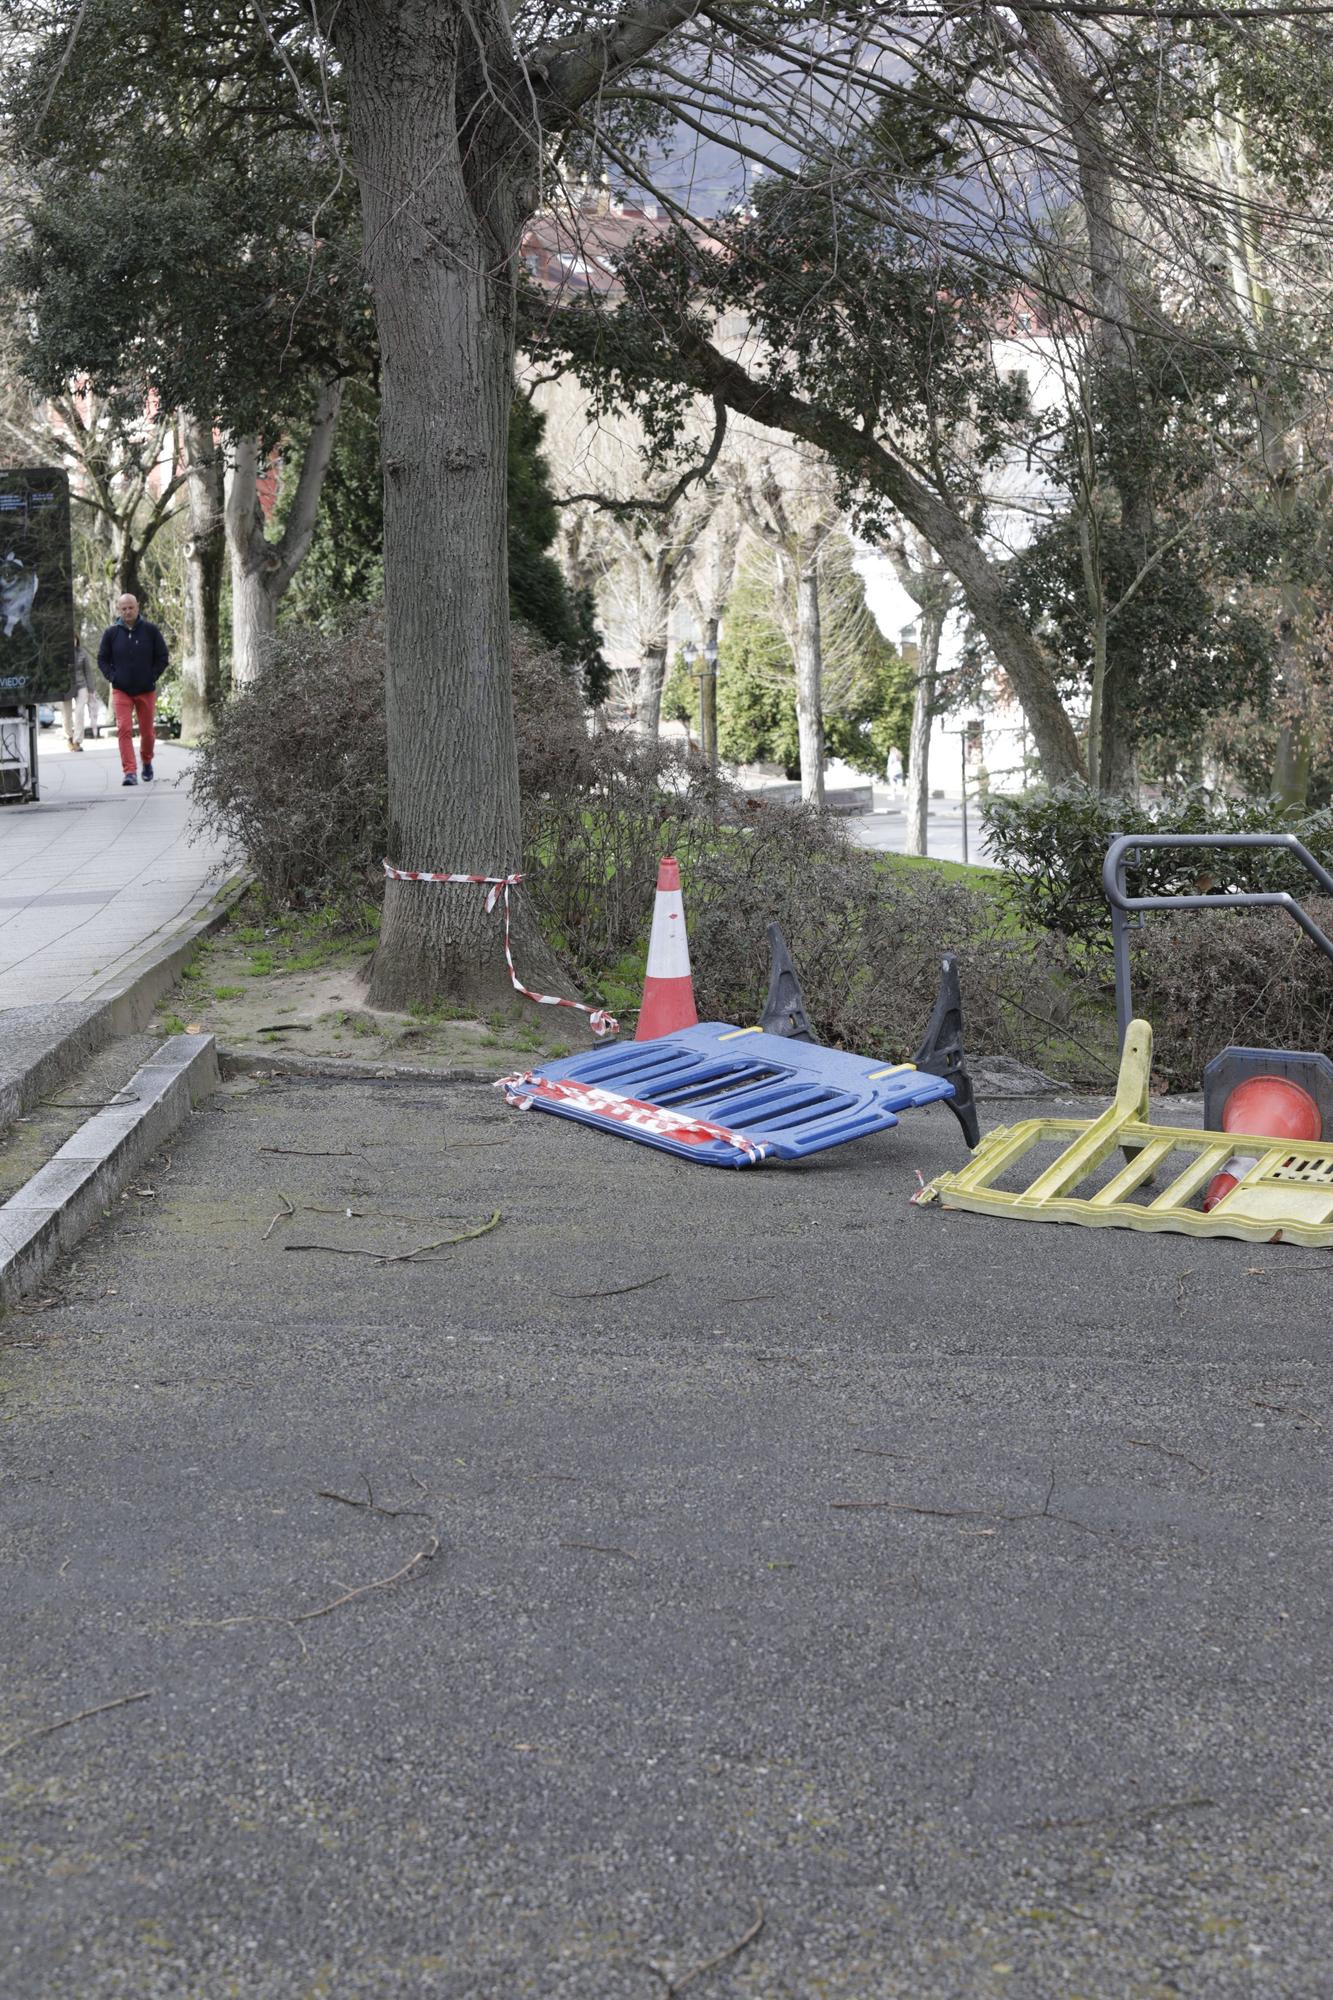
(987, 879)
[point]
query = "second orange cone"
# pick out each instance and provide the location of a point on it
(668, 988)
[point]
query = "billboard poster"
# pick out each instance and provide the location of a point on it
(36, 586)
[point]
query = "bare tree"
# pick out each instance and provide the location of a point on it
(707, 591)
(262, 569)
(933, 589)
(795, 519)
(124, 470)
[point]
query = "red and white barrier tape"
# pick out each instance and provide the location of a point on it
(521, 1089)
(599, 1020)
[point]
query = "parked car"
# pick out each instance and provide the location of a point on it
(46, 715)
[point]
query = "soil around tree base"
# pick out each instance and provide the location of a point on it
(261, 1006)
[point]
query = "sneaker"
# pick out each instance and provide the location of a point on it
(129, 779)
(78, 747)
(148, 774)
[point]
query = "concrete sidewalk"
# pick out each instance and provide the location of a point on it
(93, 873)
(938, 1603)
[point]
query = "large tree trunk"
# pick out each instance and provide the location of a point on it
(205, 558)
(442, 211)
(809, 680)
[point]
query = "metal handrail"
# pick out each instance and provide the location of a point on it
(1123, 906)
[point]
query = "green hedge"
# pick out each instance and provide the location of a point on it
(1051, 846)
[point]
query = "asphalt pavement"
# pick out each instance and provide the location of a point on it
(771, 1588)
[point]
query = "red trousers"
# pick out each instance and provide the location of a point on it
(127, 707)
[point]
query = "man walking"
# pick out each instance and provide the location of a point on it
(81, 704)
(133, 656)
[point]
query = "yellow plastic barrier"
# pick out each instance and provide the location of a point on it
(1287, 1196)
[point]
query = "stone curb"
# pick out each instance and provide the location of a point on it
(122, 1007)
(64, 1199)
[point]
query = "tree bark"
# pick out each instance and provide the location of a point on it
(931, 586)
(655, 599)
(918, 742)
(441, 130)
(809, 680)
(261, 570)
(128, 578)
(712, 630)
(205, 558)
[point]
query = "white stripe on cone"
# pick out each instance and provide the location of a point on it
(668, 989)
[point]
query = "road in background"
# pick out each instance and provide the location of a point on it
(886, 832)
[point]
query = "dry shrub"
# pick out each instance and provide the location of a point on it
(591, 848)
(866, 937)
(294, 776)
(554, 748)
(1212, 977)
(295, 780)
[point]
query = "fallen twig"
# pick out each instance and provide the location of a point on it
(382, 1583)
(400, 1256)
(370, 1503)
(311, 1152)
(675, 1986)
(963, 1513)
(284, 1028)
(600, 1549)
(1146, 1444)
(614, 1291)
(281, 1216)
(423, 1555)
(49, 1728)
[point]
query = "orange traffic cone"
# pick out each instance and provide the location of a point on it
(668, 989)
(1274, 1108)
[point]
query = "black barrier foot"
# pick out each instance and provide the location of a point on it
(784, 1010)
(941, 1050)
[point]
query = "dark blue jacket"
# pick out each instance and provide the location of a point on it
(133, 656)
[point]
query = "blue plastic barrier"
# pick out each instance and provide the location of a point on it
(774, 1098)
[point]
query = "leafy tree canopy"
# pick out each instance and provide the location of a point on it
(345, 562)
